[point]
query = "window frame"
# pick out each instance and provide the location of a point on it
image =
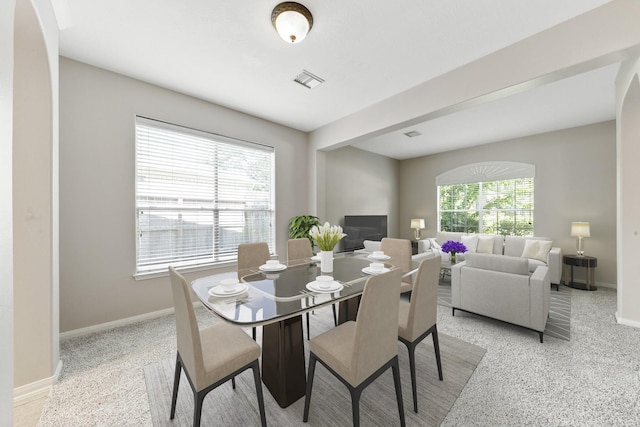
(483, 175)
(212, 209)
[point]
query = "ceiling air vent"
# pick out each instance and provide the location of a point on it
(308, 80)
(413, 133)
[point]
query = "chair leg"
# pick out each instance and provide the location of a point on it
(233, 383)
(176, 383)
(436, 347)
(395, 367)
(253, 333)
(198, 397)
(256, 376)
(355, 404)
(308, 331)
(335, 315)
(310, 375)
(411, 348)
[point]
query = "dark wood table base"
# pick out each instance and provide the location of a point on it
(348, 309)
(283, 364)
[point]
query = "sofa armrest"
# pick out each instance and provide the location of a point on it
(455, 283)
(419, 257)
(554, 262)
(540, 294)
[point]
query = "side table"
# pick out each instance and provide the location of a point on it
(588, 262)
(414, 247)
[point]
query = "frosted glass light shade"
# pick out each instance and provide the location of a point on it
(292, 21)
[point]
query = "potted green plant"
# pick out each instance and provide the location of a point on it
(300, 225)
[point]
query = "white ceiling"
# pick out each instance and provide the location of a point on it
(227, 52)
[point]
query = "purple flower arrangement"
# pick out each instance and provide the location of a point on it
(453, 247)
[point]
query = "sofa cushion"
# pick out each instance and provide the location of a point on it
(443, 236)
(371, 245)
(514, 245)
(535, 263)
(536, 249)
(506, 264)
(471, 242)
(434, 243)
(485, 244)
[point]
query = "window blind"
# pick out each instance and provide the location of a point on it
(492, 207)
(198, 195)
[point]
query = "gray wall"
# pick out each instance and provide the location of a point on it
(97, 201)
(361, 183)
(575, 181)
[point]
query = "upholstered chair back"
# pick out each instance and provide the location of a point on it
(400, 252)
(376, 331)
(252, 255)
(299, 249)
(187, 332)
(423, 307)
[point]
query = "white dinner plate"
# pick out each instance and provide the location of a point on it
(378, 257)
(278, 267)
(218, 291)
(315, 258)
(368, 270)
(315, 287)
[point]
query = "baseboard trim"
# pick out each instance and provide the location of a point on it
(627, 322)
(114, 324)
(37, 389)
(606, 285)
(120, 322)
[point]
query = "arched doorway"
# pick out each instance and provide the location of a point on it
(34, 200)
(629, 207)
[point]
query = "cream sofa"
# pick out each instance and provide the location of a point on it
(503, 288)
(374, 245)
(500, 245)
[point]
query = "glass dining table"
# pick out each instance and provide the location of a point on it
(276, 300)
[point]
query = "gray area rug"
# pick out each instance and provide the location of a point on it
(330, 402)
(559, 323)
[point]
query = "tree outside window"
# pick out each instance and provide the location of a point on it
(491, 207)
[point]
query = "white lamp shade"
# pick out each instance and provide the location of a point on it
(580, 229)
(417, 223)
(292, 26)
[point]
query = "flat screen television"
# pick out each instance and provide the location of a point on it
(359, 228)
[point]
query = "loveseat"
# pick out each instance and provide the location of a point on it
(538, 251)
(503, 288)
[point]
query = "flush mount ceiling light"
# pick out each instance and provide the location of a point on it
(292, 21)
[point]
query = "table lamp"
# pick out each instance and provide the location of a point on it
(580, 230)
(417, 224)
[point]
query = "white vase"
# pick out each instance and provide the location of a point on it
(326, 261)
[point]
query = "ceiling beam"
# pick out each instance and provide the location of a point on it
(600, 37)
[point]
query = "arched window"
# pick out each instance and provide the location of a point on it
(488, 197)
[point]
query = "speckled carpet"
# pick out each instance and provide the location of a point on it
(330, 403)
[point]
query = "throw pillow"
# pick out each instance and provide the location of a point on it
(485, 245)
(371, 245)
(434, 243)
(536, 249)
(471, 242)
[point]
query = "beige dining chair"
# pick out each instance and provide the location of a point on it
(211, 356)
(359, 352)
(400, 252)
(297, 250)
(252, 255)
(417, 317)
